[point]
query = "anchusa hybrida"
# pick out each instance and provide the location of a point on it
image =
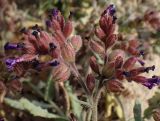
(59, 45)
(121, 59)
(40, 51)
(115, 59)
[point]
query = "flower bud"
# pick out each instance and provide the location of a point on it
(90, 82)
(116, 53)
(2, 91)
(115, 86)
(134, 43)
(124, 46)
(68, 28)
(119, 74)
(156, 114)
(68, 53)
(110, 40)
(29, 48)
(61, 72)
(54, 50)
(130, 63)
(59, 37)
(76, 42)
(133, 51)
(108, 69)
(118, 62)
(94, 65)
(96, 47)
(100, 33)
(140, 79)
(55, 25)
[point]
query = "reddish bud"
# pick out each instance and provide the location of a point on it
(59, 37)
(119, 74)
(133, 51)
(124, 46)
(68, 53)
(108, 69)
(118, 62)
(55, 24)
(130, 63)
(29, 48)
(139, 79)
(110, 40)
(105, 23)
(94, 65)
(134, 43)
(115, 86)
(96, 47)
(68, 28)
(76, 42)
(100, 33)
(61, 72)
(90, 82)
(116, 53)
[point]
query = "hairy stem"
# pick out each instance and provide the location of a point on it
(66, 97)
(95, 104)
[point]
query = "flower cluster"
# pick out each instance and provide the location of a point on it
(117, 66)
(58, 44)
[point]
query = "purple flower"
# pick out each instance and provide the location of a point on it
(111, 9)
(54, 63)
(149, 85)
(155, 80)
(10, 63)
(9, 46)
(55, 12)
(52, 46)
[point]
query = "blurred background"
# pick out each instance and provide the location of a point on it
(16, 14)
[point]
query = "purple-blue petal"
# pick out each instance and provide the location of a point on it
(9, 46)
(55, 12)
(10, 63)
(54, 63)
(111, 9)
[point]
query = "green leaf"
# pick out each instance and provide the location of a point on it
(137, 111)
(25, 104)
(154, 103)
(76, 106)
(49, 89)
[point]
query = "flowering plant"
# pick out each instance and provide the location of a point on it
(54, 51)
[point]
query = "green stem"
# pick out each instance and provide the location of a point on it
(66, 96)
(95, 105)
(89, 115)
